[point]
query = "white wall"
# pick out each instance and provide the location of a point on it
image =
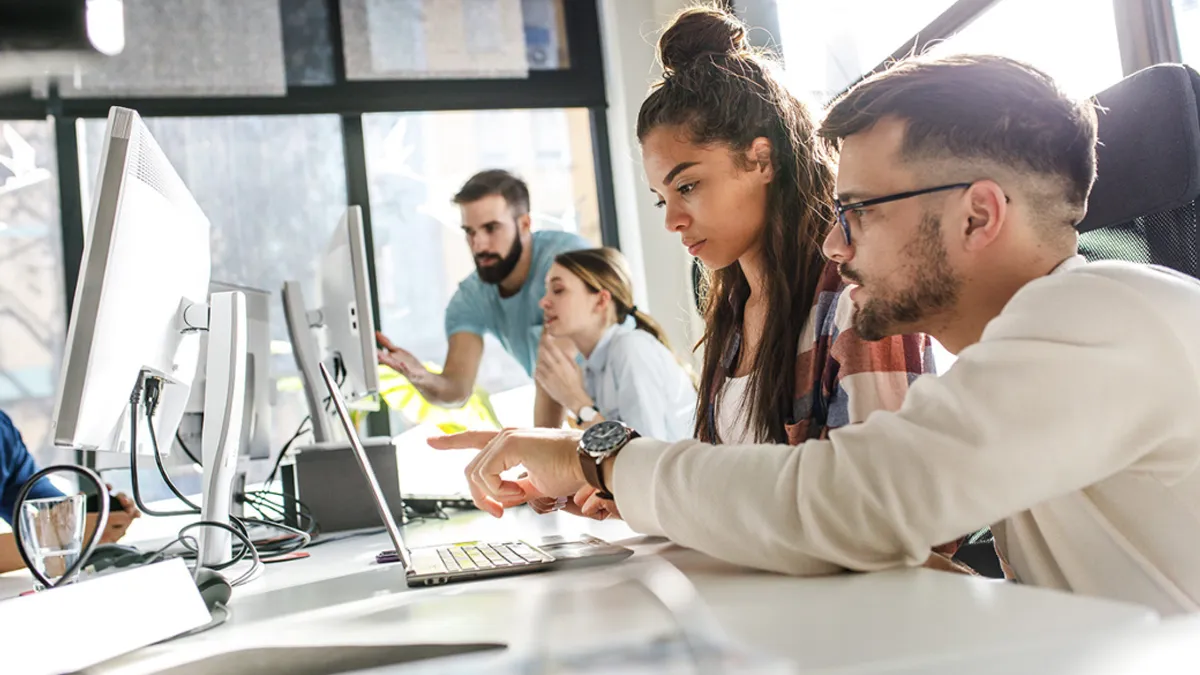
(661, 266)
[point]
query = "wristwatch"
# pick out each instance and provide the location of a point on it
(600, 442)
(586, 414)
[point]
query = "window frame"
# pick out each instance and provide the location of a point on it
(1152, 38)
(581, 85)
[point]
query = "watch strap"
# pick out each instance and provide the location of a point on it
(580, 421)
(593, 475)
(592, 471)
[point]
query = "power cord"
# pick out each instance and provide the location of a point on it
(134, 408)
(86, 551)
(330, 538)
(150, 391)
(260, 500)
(256, 568)
(186, 450)
(300, 431)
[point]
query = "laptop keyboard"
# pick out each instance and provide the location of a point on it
(489, 556)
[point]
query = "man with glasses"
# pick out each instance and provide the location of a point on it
(1069, 422)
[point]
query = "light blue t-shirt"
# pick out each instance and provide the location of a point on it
(517, 320)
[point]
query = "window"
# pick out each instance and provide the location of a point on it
(416, 163)
(827, 46)
(545, 35)
(416, 39)
(307, 42)
(273, 189)
(32, 302)
(1187, 26)
(191, 48)
(1074, 41)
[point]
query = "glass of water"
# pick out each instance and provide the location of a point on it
(52, 530)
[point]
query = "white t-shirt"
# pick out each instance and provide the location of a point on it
(733, 413)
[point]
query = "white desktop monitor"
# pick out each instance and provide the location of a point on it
(145, 258)
(345, 311)
(140, 304)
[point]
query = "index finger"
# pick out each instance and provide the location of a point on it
(498, 458)
(467, 440)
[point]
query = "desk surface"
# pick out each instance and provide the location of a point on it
(843, 624)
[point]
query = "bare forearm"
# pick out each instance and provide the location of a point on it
(443, 391)
(9, 558)
(546, 411)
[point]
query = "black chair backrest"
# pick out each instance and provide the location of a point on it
(1143, 207)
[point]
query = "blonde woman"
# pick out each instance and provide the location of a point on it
(629, 372)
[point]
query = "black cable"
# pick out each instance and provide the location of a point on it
(262, 507)
(295, 540)
(86, 551)
(302, 509)
(162, 471)
(152, 390)
(186, 450)
(255, 568)
(134, 407)
(300, 430)
(191, 545)
(329, 538)
(298, 539)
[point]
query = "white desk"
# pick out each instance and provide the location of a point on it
(845, 624)
(1171, 647)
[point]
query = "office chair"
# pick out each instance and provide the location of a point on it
(1143, 207)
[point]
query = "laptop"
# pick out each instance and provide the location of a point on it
(469, 560)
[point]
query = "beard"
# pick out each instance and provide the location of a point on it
(934, 288)
(499, 271)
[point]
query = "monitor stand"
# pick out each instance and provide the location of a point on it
(224, 408)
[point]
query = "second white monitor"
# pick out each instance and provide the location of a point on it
(345, 307)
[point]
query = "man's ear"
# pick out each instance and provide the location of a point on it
(759, 157)
(524, 223)
(986, 214)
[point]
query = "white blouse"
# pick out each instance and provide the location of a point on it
(634, 378)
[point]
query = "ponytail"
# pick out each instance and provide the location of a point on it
(648, 324)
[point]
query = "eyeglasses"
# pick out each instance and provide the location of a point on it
(843, 209)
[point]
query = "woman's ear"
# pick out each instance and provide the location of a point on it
(603, 301)
(759, 156)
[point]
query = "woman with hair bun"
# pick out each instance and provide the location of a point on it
(734, 162)
(732, 158)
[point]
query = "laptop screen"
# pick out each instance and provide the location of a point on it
(393, 531)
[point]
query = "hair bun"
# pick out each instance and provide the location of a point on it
(698, 32)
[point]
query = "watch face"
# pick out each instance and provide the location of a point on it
(604, 437)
